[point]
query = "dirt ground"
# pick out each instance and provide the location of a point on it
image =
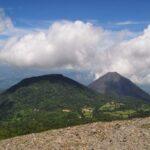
(118, 135)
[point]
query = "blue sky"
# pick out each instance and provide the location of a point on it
(105, 12)
(103, 35)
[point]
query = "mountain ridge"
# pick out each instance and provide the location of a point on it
(50, 77)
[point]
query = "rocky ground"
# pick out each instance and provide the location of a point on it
(118, 135)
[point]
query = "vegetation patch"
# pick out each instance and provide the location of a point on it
(87, 112)
(121, 114)
(110, 106)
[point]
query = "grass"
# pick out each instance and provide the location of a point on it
(120, 114)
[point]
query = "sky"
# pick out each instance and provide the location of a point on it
(82, 39)
(134, 13)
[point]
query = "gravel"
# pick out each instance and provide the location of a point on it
(117, 135)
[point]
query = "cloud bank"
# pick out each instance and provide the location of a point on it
(80, 45)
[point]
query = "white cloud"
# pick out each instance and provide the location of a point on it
(64, 44)
(131, 58)
(80, 46)
(125, 23)
(5, 22)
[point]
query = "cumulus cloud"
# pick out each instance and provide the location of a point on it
(81, 46)
(64, 44)
(131, 57)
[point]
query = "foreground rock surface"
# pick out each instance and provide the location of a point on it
(118, 135)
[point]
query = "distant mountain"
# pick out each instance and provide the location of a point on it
(146, 87)
(1, 90)
(54, 101)
(115, 84)
(53, 78)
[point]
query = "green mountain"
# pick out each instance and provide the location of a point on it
(55, 101)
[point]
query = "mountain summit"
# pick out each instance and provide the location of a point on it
(52, 78)
(115, 84)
